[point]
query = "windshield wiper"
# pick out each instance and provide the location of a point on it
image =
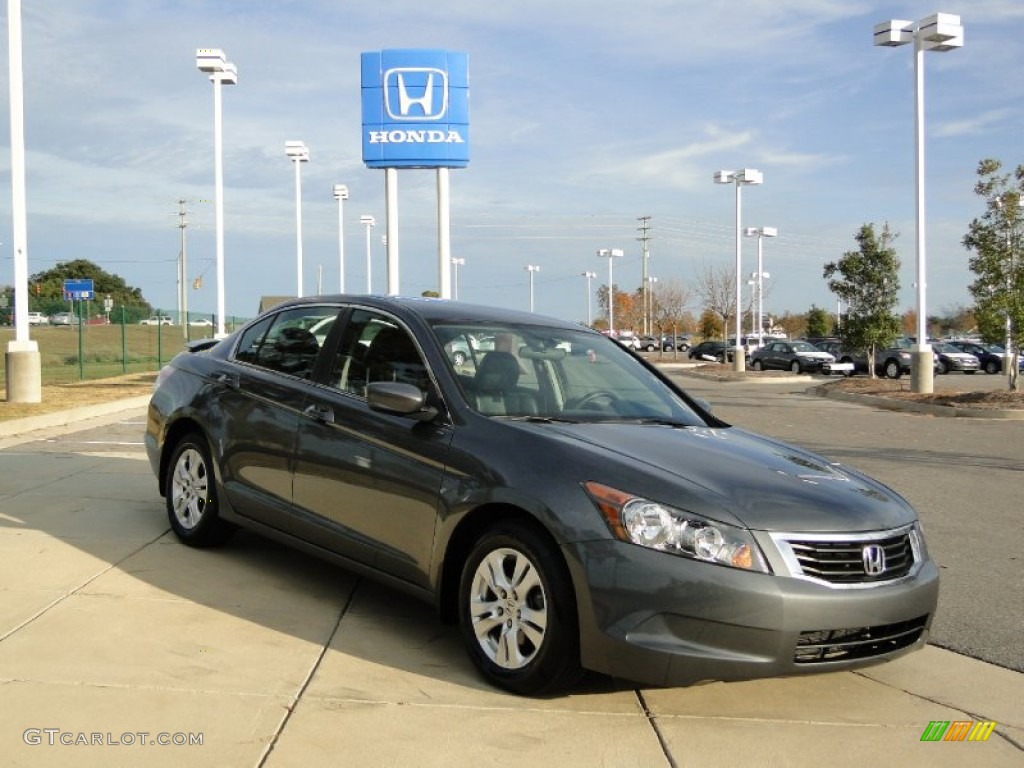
(536, 419)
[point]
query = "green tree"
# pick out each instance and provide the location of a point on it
(995, 238)
(867, 280)
(819, 322)
(46, 288)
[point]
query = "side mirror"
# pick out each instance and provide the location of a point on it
(399, 398)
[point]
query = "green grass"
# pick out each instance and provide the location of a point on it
(145, 347)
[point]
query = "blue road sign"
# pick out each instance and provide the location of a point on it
(78, 290)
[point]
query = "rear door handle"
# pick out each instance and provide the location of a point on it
(320, 413)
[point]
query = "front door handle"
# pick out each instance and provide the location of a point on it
(320, 413)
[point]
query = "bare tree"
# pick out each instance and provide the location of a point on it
(715, 286)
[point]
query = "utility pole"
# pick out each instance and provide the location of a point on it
(645, 224)
(182, 270)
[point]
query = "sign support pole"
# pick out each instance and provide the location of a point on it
(391, 213)
(444, 233)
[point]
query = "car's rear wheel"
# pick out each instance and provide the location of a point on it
(756, 365)
(192, 495)
(517, 612)
(794, 366)
(992, 367)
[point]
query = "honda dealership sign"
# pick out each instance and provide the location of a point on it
(415, 109)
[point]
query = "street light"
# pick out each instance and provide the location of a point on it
(590, 276)
(611, 254)
(531, 268)
(938, 32)
(299, 153)
(369, 222)
(760, 233)
(741, 178)
(456, 263)
(222, 72)
(341, 195)
(649, 316)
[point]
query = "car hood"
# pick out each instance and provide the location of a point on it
(755, 481)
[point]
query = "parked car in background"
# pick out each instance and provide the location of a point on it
(710, 350)
(158, 320)
(38, 318)
(949, 358)
(566, 506)
(201, 322)
(891, 362)
(469, 347)
(649, 343)
(795, 356)
(682, 343)
(990, 356)
(63, 318)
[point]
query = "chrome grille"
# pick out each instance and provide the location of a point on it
(854, 560)
(825, 645)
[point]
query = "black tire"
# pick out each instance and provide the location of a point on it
(795, 367)
(543, 659)
(992, 367)
(756, 365)
(459, 358)
(191, 493)
(942, 369)
(891, 369)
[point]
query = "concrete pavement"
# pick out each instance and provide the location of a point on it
(110, 629)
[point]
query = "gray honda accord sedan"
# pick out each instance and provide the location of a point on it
(554, 495)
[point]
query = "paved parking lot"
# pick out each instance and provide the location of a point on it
(110, 629)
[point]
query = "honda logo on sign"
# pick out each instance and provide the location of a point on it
(873, 557)
(415, 93)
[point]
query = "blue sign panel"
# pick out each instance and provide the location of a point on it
(415, 109)
(78, 290)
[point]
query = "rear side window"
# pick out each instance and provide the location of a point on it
(288, 342)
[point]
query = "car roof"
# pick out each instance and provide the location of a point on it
(435, 310)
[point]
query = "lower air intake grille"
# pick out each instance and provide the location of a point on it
(857, 643)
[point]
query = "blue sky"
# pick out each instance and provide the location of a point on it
(584, 116)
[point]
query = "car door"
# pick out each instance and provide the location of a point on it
(260, 398)
(367, 484)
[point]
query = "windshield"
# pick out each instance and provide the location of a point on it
(804, 346)
(539, 372)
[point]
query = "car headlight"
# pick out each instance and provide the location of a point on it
(651, 524)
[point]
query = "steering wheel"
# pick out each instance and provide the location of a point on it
(592, 401)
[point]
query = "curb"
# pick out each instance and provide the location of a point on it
(15, 427)
(896, 404)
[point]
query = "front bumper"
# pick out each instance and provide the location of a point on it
(661, 619)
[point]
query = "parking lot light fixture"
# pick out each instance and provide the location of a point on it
(369, 222)
(222, 72)
(531, 268)
(611, 254)
(760, 233)
(741, 178)
(298, 152)
(938, 32)
(341, 195)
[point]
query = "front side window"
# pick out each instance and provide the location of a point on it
(374, 347)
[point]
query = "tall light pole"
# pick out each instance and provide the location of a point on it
(222, 72)
(299, 153)
(456, 263)
(369, 222)
(531, 268)
(590, 276)
(938, 32)
(22, 361)
(741, 178)
(611, 254)
(760, 233)
(341, 195)
(649, 315)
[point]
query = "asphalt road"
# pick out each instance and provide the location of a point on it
(965, 477)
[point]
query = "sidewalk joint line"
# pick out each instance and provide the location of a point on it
(652, 720)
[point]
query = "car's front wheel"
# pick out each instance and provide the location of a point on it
(892, 369)
(459, 358)
(192, 495)
(992, 367)
(756, 365)
(795, 366)
(517, 612)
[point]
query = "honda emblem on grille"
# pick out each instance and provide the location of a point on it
(873, 557)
